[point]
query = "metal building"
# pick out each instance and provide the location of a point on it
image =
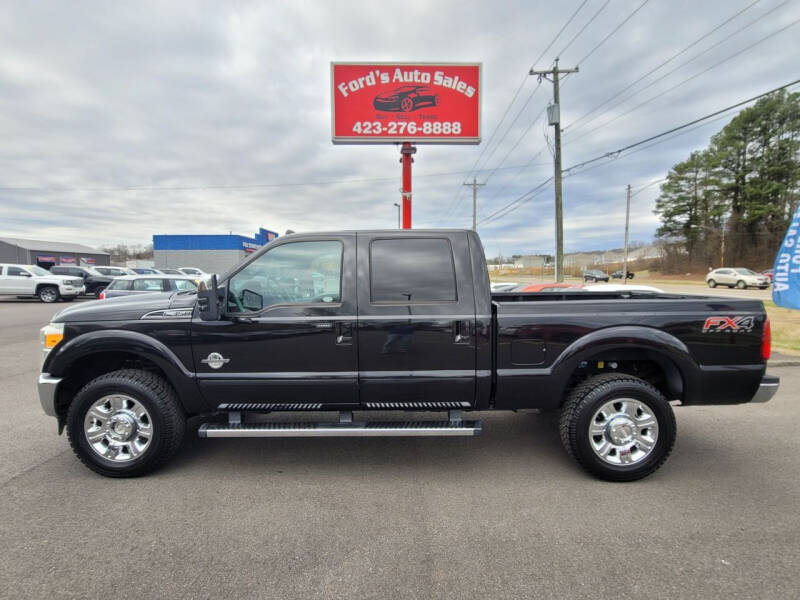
(46, 254)
(211, 253)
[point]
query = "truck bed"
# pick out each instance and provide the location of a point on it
(543, 339)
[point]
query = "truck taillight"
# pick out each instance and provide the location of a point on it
(102, 295)
(766, 340)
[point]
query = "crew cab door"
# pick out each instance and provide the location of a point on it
(287, 335)
(416, 318)
(16, 280)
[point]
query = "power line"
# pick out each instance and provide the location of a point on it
(582, 29)
(511, 125)
(613, 31)
(662, 64)
(695, 76)
(641, 188)
(226, 187)
(510, 104)
(514, 147)
(514, 204)
(678, 128)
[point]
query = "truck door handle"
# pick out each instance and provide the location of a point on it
(344, 334)
(462, 332)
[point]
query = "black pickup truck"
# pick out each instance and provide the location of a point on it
(387, 321)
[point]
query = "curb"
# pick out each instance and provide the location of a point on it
(783, 363)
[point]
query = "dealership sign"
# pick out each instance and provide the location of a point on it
(420, 103)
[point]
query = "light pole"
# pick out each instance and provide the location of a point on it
(399, 220)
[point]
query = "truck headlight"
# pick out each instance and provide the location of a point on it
(51, 335)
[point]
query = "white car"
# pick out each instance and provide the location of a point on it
(114, 271)
(740, 278)
(32, 280)
(503, 286)
(192, 272)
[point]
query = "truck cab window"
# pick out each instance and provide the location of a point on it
(292, 273)
(412, 271)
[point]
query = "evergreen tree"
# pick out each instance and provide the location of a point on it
(740, 192)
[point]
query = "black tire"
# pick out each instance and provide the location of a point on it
(48, 294)
(159, 399)
(712, 283)
(588, 397)
(741, 285)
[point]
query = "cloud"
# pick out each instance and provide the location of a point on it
(121, 121)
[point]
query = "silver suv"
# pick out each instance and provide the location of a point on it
(740, 278)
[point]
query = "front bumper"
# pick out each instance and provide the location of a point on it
(48, 387)
(72, 290)
(767, 388)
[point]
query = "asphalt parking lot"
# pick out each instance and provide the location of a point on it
(504, 515)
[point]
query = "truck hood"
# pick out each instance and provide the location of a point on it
(124, 308)
(59, 279)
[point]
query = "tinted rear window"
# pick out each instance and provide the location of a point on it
(414, 270)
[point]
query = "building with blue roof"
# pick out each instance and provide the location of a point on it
(210, 252)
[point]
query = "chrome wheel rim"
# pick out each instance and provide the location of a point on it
(48, 295)
(623, 432)
(118, 428)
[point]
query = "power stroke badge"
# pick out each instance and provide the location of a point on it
(215, 360)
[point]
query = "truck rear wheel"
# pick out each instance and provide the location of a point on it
(125, 423)
(617, 427)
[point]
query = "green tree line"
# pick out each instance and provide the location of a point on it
(730, 204)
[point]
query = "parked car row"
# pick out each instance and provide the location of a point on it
(32, 280)
(67, 282)
(133, 285)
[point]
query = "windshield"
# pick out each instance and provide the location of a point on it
(38, 271)
(745, 272)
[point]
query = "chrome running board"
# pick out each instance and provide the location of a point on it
(455, 425)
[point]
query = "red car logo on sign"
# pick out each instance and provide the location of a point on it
(730, 324)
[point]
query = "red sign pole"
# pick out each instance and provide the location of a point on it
(407, 150)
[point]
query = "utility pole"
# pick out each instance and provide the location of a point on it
(474, 185)
(627, 222)
(554, 118)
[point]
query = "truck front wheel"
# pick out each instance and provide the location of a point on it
(48, 294)
(617, 427)
(125, 423)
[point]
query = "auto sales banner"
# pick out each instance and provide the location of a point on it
(421, 103)
(786, 272)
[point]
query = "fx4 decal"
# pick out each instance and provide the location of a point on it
(729, 324)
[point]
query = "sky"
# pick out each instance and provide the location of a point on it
(123, 120)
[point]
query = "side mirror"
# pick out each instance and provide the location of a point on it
(26, 274)
(208, 299)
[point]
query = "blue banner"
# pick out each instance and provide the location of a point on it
(786, 274)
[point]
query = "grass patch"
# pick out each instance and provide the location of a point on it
(785, 324)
